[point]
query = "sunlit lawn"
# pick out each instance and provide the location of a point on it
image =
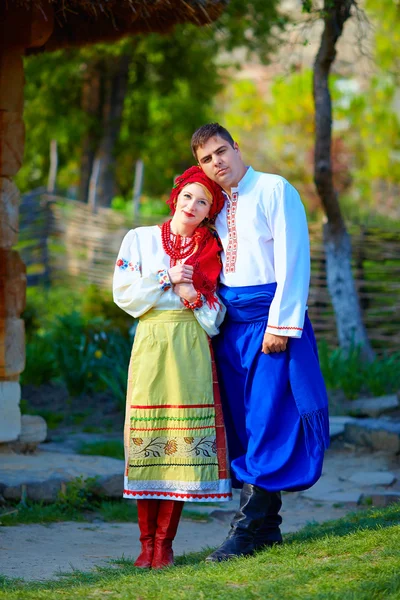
(355, 558)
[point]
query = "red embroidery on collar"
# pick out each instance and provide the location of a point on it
(231, 251)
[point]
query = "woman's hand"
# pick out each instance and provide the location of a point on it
(181, 274)
(187, 291)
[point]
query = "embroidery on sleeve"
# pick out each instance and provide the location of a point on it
(164, 280)
(135, 267)
(122, 263)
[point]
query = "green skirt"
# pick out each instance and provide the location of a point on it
(175, 444)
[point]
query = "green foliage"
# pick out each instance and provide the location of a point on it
(78, 503)
(354, 376)
(79, 494)
(40, 365)
(88, 349)
(111, 448)
(51, 111)
(98, 305)
(172, 81)
(118, 511)
(276, 133)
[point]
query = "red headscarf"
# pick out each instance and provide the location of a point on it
(196, 175)
(205, 260)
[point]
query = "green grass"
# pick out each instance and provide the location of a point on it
(355, 558)
(112, 448)
(34, 512)
(121, 511)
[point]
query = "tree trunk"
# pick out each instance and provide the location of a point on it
(350, 327)
(92, 105)
(115, 89)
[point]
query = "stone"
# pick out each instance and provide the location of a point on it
(336, 425)
(334, 496)
(33, 429)
(12, 347)
(39, 476)
(383, 499)
(44, 491)
(374, 407)
(10, 421)
(323, 488)
(372, 478)
(377, 434)
(338, 403)
(110, 486)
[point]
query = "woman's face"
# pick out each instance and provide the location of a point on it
(192, 205)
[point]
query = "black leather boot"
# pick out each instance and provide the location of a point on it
(269, 533)
(254, 506)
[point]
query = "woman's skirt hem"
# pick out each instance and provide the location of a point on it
(218, 491)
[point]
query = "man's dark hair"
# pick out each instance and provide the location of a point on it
(206, 132)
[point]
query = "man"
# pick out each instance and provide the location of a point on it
(274, 398)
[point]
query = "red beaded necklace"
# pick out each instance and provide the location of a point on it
(173, 244)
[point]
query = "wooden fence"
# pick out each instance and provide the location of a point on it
(64, 238)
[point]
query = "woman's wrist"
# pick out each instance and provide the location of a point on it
(192, 297)
(197, 303)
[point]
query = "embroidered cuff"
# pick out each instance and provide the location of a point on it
(285, 331)
(164, 280)
(284, 327)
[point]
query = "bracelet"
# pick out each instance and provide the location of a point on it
(198, 303)
(164, 280)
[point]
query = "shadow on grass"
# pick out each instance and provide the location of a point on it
(371, 519)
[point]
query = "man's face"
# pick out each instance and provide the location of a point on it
(221, 162)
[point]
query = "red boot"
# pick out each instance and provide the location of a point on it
(169, 514)
(147, 520)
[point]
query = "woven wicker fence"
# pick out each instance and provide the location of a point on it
(63, 239)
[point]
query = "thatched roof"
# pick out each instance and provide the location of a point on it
(81, 22)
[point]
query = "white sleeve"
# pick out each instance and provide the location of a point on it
(287, 221)
(211, 318)
(132, 292)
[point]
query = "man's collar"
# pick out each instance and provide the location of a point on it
(245, 181)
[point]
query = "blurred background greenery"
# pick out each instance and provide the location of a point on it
(142, 98)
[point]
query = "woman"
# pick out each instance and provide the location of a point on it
(174, 437)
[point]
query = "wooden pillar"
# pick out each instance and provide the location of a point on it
(20, 28)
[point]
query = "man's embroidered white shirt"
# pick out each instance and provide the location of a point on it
(264, 233)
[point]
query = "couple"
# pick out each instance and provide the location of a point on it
(272, 393)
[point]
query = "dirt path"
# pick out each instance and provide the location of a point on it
(36, 552)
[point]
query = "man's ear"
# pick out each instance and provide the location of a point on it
(236, 146)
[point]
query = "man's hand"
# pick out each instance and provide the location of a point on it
(273, 343)
(186, 291)
(181, 274)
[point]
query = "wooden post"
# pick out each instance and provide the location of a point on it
(137, 189)
(93, 184)
(20, 27)
(51, 182)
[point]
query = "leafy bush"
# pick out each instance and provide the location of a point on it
(355, 376)
(41, 366)
(86, 353)
(98, 303)
(79, 494)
